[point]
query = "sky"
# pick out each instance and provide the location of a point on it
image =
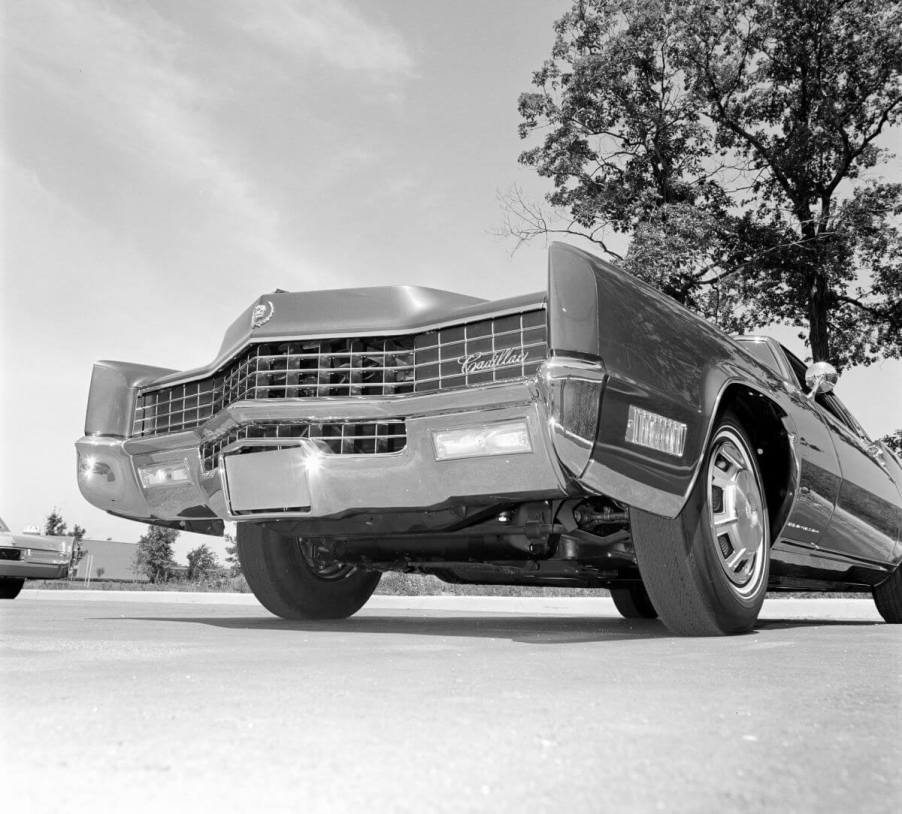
(165, 162)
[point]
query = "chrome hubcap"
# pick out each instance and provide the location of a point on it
(736, 513)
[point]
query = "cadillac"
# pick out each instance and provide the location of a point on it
(595, 434)
(31, 556)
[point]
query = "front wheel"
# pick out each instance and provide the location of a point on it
(290, 580)
(706, 570)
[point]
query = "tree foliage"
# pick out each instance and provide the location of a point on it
(232, 560)
(736, 144)
(55, 526)
(154, 555)
(201, 563)
(894, 442)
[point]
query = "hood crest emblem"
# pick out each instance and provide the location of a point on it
(261, 314)
(477, 362)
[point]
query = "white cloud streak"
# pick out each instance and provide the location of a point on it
(334, 32)
(129, 74)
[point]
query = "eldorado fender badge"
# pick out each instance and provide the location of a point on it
(261, 314)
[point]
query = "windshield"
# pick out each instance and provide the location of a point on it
(761, 350)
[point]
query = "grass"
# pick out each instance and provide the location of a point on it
(391, 584)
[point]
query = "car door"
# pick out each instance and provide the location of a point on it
(866, 521)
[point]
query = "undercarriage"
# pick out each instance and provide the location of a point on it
(573, 543)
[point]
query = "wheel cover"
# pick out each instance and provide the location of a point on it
(320, 564)
(736, 513)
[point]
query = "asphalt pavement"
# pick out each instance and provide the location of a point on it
(206, 703)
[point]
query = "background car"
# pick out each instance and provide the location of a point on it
(31, 556)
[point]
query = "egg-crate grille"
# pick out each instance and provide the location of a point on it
(485, 351)
(337, 438)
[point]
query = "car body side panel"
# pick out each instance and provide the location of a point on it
(848, 506)
(867, 519)
(111, 400)
(819, 475)
(659, 357)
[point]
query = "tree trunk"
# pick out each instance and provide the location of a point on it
(818, 328)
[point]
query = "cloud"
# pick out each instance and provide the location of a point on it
(121, 74)
(334, 32)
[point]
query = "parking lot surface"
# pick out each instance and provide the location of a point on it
(206, 702)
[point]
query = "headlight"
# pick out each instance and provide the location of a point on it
(509, 438)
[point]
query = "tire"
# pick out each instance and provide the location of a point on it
(888, 597)
(10, 587)
(633, 602)
(288, 581)
(706, 570)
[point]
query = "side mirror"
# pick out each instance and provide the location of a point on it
(820, 377)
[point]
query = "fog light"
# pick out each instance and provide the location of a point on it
(655, 431)
(509, 438)
(163, 474)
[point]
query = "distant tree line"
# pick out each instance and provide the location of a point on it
(154, 558)
(55, 526)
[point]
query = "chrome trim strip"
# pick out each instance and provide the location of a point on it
(353, 408)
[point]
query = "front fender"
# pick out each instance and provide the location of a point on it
(659, 357)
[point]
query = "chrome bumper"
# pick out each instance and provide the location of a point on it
(36, 564)
(407, 480)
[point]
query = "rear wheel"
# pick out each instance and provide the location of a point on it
(633, 602)
(888, 597)
(291, 580)
(10, 587)
(706, 570)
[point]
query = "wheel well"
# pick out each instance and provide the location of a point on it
(762, 419)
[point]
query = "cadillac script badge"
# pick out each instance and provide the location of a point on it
(481, 362)
(261, 314)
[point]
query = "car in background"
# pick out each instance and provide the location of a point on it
(31, 556)
(593, 434)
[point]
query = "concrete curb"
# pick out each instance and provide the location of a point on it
(829, 609)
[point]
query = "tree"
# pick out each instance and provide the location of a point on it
(154, 554)
(232, 559)
(732, 142)
(894, 441)
(201, 562)
(55, 526)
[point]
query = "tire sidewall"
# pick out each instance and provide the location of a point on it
(284, 582)
(737, 612)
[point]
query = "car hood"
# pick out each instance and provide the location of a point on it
(41, 542)
(376, 311)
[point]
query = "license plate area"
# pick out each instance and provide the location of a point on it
(273, 481)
